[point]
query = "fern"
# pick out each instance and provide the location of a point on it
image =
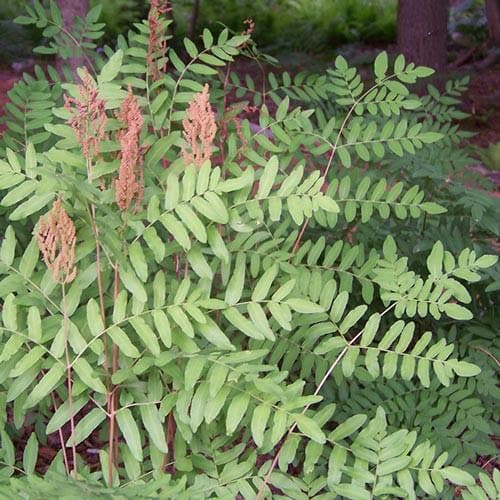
(259, 324)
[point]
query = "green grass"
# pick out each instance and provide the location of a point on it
(306, 25)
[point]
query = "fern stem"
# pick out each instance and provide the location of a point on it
(316, 392)
(176, 89)
(334, 147)
(115, 366)
(76, 43)
(488, 353)
(68, 379)
(61, 439)
(111, 442)
(109, 392)
(100, 287)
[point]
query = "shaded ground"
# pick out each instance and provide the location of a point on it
(8, 78)
(482, 101)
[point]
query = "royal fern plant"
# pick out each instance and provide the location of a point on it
(202, 284)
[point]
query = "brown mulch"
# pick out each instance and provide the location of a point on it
(482, 101)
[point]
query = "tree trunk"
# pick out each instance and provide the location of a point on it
(194, 19)
(493, 15)
(422, 31)
(69, 10)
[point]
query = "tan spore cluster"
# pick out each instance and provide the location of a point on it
(88, 116)
(199, 129)
(130, 183)
(157, 44)
(56, 237)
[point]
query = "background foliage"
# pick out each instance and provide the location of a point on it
(281, 25)
(299, 24)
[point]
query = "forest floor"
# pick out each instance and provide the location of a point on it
(8, 77)
(481, 101)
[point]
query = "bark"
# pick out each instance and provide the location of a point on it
(194, 19)
(423, 30)
(493, 15)
(69, 10)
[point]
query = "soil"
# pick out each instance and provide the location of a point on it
(482, 101)
(88, 450)
(8, 78)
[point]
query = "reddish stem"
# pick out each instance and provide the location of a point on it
(113, 435)
(61, 439)
(69, 380)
